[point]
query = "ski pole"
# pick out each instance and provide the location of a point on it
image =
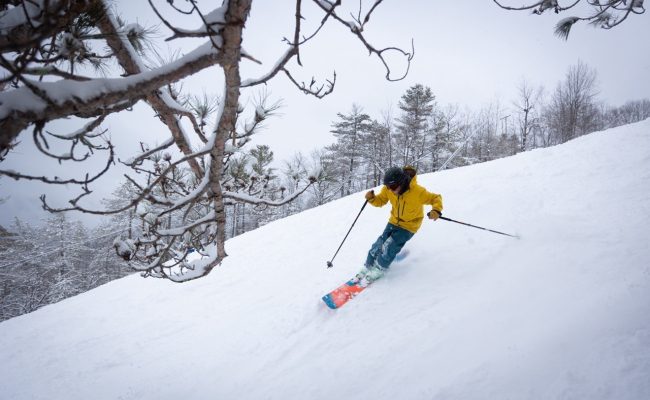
(329, 263)
(477, 227)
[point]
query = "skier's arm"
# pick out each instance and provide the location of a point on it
(381, 198)
(433, 199)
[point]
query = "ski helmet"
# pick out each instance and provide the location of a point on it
(394, 176)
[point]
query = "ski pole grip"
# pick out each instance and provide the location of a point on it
(439, 215)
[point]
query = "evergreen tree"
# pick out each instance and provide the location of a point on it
(350, 131)
(263, 157)
(437, 143)
(264, 183)
(378, 152)
(417, 106)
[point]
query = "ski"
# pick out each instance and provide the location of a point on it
(347, 291)
(342, 294)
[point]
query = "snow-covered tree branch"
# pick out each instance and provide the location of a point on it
(63, 59)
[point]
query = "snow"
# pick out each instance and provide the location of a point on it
(124, 247)
(28, 13)
(560, 314)
(215, 19)
(274, 70)
(22, 99)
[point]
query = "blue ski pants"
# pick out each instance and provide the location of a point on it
(383, 251)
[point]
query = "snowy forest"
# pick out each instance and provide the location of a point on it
(209, 181)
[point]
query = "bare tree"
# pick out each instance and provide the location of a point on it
(605, 14)
(572, 108)
(527, 106)
(46, 46)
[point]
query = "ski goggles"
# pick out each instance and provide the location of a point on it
(393, 186)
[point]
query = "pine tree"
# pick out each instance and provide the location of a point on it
(350, 131)
(263, 157)
(378, 152)
(264, 184)
(417, 106)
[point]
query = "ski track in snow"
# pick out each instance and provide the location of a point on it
(561, 313)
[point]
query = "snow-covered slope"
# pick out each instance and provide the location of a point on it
(562, 313)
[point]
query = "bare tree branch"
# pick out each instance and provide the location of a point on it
(357, 30)
(57, 181)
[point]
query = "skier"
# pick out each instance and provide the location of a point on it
(407, 199)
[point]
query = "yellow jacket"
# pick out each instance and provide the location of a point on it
(407, 211)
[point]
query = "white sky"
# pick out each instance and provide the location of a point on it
(470, 53)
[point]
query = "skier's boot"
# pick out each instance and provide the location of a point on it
(368, 275)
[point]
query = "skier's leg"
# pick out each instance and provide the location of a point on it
(374, 251)
(391, 246)
(387, 247)
(376, 248)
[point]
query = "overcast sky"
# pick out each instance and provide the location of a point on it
(470, 53)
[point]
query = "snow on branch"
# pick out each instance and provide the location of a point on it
(20, 107)
(26, 25)
(212, 22)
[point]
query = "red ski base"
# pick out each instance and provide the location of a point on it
(341, 295)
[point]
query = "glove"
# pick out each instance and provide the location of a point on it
(370, 195)
(434, 214)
